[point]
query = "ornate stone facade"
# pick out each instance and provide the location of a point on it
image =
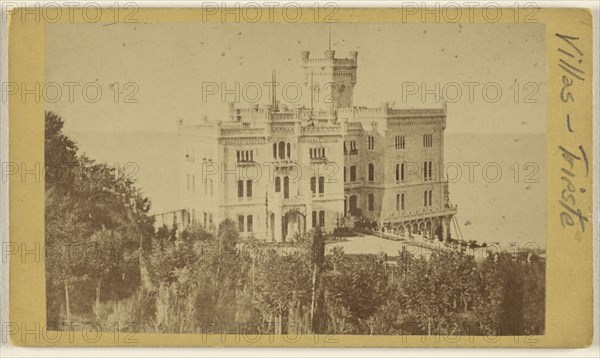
(278, 172)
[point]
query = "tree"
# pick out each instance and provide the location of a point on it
(228, 235)
(97, 207)
(318, 294)
(60, 154)
(355, 288)
(438, 290)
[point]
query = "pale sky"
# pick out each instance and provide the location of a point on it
(170, 62)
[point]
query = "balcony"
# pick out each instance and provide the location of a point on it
(318, 160)
(246, 163)
(424, 213)
(351, 152)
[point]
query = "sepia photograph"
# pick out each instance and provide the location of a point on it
(296, 178)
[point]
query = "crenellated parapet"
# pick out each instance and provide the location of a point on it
(385, 111)
(330, 59)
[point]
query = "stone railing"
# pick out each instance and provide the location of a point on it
(409, 215)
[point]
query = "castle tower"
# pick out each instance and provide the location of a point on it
(330, 80)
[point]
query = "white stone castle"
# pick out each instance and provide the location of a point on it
(280, 172)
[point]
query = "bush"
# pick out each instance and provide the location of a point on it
(343, 231)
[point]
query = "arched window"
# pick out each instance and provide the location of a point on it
(397, 201)
(397, 172)
(286, 187)
(345, 173)
(402, 201)
(425, 198)
(321, 185)
(353, 173)
(371, 172)
(430, 195)
(289, 150)
(281, 150)
(278, 184)
(275, 150)
(371, 202)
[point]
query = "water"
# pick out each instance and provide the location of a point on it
(512, 209)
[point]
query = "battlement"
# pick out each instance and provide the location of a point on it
(385, 110)
(242, 129)
(330, 59)
(322, 130)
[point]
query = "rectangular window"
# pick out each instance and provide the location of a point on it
(350, 147)
(286, 187)
(240, 188)
(321, 218)
(250, 223)
(313, 184)
(400, 142)
(353, 173)
(321, 185)
(428, 140)
(245, 156)
(241, 223)
(314, 219)
(316, 153)
(402, 172)
(249, 188)
(278, 184)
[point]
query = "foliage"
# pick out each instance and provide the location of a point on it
(343, 231)
(96, 223)
(107, 264)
